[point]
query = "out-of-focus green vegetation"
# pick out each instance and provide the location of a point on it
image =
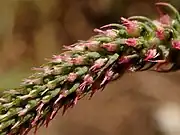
(31, 30)
(12, 79)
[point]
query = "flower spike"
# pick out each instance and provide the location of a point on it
(86, 67)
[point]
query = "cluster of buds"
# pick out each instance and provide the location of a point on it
(86, 67)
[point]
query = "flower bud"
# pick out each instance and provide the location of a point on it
(165, 19)
(92, 45)
(132, 27)
(108, 33)
(111, 47)
(98, 64)
(176, 44)
(160, 33)
(151, 53)
(72, 77)
(131, 42)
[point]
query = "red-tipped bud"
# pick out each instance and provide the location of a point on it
(109, 33)
(71, 77)
(87, 81)
(57, 58)
(123, 59)
(75, 48)
(176, 44)
(151, 53)
(165, 19)
(78, 60)
(131, 26)
(60, 58)
(160, 33)
(109, 74)
(131, 42)
(92, 45)
(98, 64)
(111, 47)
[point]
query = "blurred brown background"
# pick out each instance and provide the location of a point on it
(31, 30)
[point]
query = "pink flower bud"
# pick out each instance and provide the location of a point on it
(87, 81)
(31, 81)
(75, 100)
(59, 98)
(131, 27)
(111, 47)
(123, 59)
(99, 31)
(92, 45)
(57, 58)
(151, 53)
(109, 33)
(131, 42)
(60, 58)
(160, 33)
(165, 19)
(176, 44)
(39, 108)
(98, 64)
(25, 131)
(78, 60)
(75, 48)
(109, 74)
(35, 120)
(71, 77)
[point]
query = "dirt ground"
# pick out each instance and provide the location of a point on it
(125, 107)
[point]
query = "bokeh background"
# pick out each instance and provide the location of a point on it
(138, 104)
